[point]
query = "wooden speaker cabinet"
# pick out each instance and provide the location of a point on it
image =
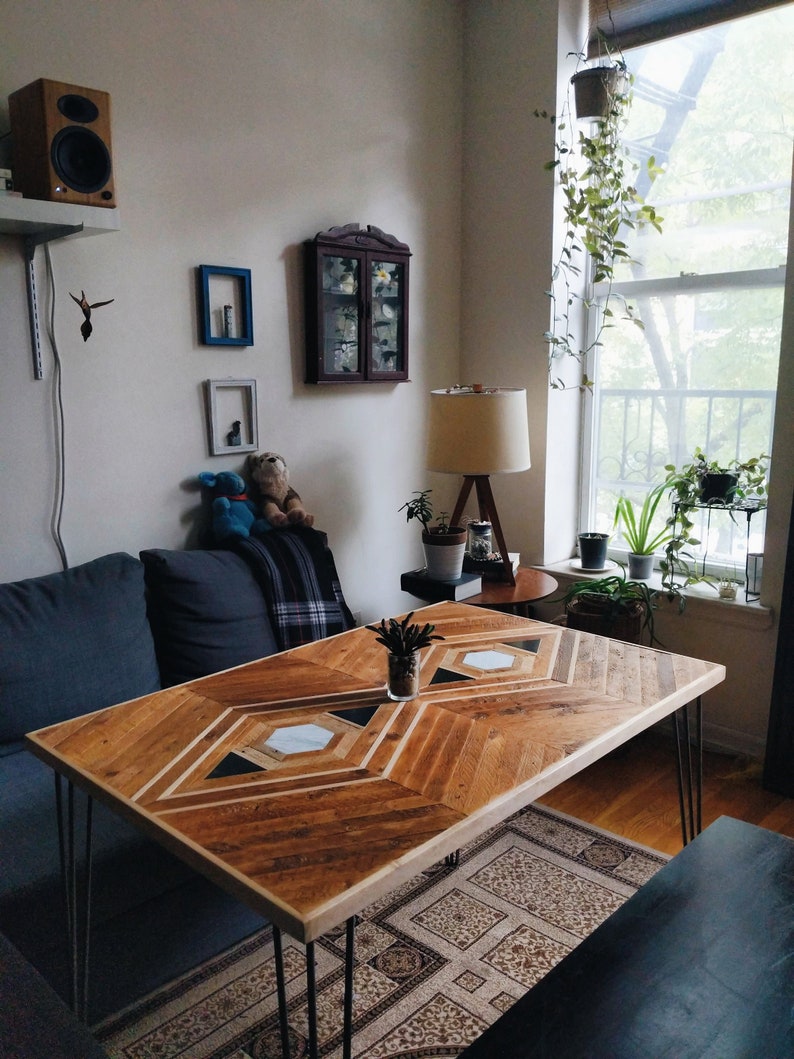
(61, 143)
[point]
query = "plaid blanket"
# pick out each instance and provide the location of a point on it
(297, 574)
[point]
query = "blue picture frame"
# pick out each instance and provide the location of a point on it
(225, 314)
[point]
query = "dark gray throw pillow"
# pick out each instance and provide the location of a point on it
(73, 642)
(206, 611)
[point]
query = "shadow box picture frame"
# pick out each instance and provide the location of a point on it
(231, 416)
(224, 301)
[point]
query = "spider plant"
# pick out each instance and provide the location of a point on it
(638, 529)
(614, 596)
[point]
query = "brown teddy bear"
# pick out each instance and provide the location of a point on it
(281, 505)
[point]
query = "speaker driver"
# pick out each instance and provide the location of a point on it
(81, 159)
(78, 108)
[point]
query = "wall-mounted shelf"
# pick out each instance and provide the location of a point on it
(37, 222)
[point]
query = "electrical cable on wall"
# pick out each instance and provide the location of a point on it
(58, 420)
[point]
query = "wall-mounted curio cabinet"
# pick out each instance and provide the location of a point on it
(356, 306)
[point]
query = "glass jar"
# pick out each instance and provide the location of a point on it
(403, 683)
(478, 540)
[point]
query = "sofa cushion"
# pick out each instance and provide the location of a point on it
(127, 867)
(73, 642)
(206, 611)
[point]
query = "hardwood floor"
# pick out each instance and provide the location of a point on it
(633, 792)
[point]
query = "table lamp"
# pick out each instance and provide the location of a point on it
(478, 431)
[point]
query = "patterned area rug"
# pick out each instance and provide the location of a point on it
(438, 960)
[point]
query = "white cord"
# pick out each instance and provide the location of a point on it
(58, 420)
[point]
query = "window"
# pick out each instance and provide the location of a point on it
(716, 109)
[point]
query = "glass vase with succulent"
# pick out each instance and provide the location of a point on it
(404, 641)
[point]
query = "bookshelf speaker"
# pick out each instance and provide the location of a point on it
(60, 142)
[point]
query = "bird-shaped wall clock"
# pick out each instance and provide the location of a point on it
(86, 327)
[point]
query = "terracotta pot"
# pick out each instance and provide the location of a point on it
(444, 553)
(588, 614)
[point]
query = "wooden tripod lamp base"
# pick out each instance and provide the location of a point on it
(488, 513)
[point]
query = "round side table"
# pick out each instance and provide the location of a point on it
(530, 586)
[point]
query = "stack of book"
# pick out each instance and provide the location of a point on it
(427, 588)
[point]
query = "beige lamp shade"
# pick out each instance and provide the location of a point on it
(478, 431)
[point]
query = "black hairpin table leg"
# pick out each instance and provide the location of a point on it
(281, 991)
(311, 994)
(311, 999)
(347, 1025)
(690, 770)
(77, 904)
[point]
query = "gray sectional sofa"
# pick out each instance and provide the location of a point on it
(86, 638)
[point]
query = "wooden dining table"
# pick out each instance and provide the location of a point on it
(297, 785)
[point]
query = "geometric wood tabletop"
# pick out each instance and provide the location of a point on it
(270, 779)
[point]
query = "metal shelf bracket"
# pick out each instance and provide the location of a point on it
(29, 244)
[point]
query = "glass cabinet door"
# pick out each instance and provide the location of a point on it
(387, 337)
(340, 327)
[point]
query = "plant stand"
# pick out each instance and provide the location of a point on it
(748, 508)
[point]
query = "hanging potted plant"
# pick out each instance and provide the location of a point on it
(595, 87)
(638, 531)
(600, 202)
(443, 545)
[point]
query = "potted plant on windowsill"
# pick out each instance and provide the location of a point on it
(735, 484)
(638, 532)
(705, 481)
(443, 544)
(611, 606)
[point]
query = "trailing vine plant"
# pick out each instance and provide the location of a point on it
(600, 202)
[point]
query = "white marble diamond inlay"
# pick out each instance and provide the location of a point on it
(489, 660)
(299, 738)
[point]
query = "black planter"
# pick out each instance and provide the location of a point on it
(718, 487)
(594, 88)
(593, 550)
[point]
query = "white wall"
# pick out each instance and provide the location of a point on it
(515, 54)
(240, 128)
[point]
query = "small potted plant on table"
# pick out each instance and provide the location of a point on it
(403, 641)
(443, 544)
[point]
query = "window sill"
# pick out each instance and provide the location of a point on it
(703, 603)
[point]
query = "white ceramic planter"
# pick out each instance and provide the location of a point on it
(444, 554)
(640, 566)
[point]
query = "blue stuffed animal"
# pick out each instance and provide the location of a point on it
(233, 514)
